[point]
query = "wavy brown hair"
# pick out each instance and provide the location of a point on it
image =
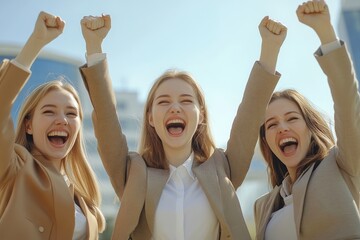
(322, 139)
(75, 164)
(150, 146)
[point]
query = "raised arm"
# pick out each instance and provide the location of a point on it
(337, 66)
(112, 145)
(316, 15)
(94, 30)
(13, 77)
(273, 35)
(250, 115)
(47, 28)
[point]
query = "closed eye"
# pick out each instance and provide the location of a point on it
(72, 114)
(187, 101)
(293, 119)
(48, 112)
(271, 125)
(162, 102)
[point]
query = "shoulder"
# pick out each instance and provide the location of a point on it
(136, 162)
(263, 200)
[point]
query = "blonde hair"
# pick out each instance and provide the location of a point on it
(322, 139)
(75, 165)
(150, 146)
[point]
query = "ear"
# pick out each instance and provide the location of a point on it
(28, 127)
(150, 119)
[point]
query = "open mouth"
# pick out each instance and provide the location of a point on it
(175, 126)
(58, 137)
(288, 145)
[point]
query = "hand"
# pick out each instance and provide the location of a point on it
(313, 14)
(47, 28)
(316, 15)
(94, 30)
(273, 35)
(272, 32)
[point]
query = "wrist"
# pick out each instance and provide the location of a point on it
(326, 35)
(29, 52)
(93, 48)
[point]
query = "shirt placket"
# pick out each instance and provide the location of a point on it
(180, 231)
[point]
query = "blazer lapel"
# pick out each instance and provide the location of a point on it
(63, 199)
(157, 179)
(90, 218)
(208, 179)
(132, 201)
(299, 192)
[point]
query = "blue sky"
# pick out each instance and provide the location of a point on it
(216, 41)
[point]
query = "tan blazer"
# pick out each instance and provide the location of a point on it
(139, 187)
(35, 202)
(327, 198)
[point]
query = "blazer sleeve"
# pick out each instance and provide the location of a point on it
(247, 122)
(12, 79)
(343, 84)
(112, 145)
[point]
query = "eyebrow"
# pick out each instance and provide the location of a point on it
(182, 95)
(284, 114)
(54, 106)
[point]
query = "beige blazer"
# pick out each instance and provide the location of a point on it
(139, 187)
(35, 202)
(327, 198)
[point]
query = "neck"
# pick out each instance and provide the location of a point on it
(177, 157)
(56, 163)
(292, 174)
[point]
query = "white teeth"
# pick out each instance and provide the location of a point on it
(58, 133)
(175, 121)
(285, 140)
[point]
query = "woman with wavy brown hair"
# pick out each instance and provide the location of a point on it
(315, 180)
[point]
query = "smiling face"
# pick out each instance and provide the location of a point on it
(175, 114)
(54, 125)
(286, 133)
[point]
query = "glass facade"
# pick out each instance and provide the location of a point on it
(44, 70)
(349, 29)
(352, 24)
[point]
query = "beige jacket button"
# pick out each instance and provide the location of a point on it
(41, 229)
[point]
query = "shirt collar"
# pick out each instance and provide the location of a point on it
(187, 165)
(286, 187)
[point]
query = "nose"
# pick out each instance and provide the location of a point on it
(283, 127)
(175, 108)
(61, 120)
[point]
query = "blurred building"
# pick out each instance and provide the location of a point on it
(47, 66)
(349, 29)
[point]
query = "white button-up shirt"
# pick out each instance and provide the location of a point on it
(184, 211)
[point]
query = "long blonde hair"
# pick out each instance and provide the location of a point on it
(322, 139)
(75, 165)
(150, 146)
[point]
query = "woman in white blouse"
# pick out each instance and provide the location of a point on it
(316, 183)
(178, 185)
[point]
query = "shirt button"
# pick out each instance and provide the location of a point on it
(41, 229)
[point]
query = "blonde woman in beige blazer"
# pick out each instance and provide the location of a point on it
(45, 180)
(175, 133)
(316, 183)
